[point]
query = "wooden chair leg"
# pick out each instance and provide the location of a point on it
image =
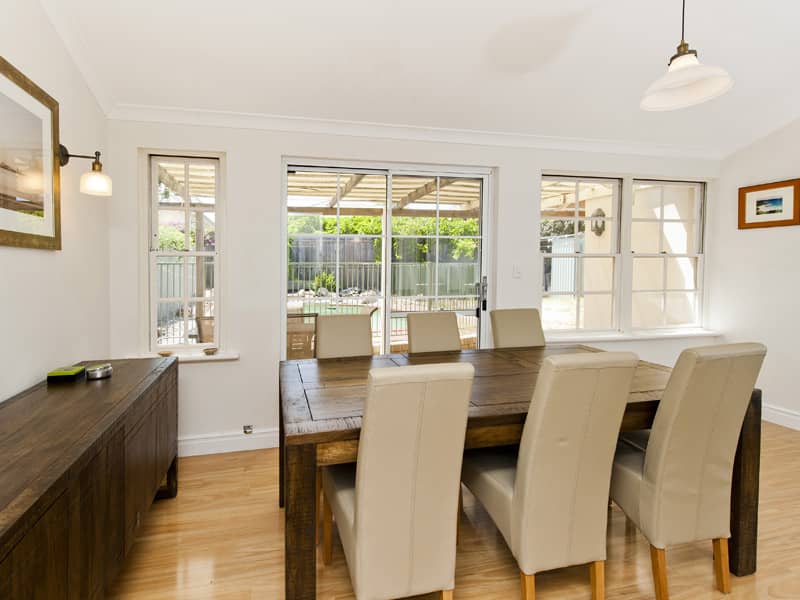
(597, 574)
(721, 566)
(528, 586)
(446, 595)
(327, 531)
(318, 504)
(658, 557)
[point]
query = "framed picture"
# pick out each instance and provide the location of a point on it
(770, 205)
(30, 208)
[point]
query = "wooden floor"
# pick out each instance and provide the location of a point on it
(222, 538)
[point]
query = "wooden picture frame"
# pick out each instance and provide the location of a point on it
(770, 205)
(30, 200)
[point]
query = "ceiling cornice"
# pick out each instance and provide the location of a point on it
(238, 120)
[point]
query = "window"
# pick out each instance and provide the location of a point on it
(183, 252)
(579, 240)
(384, 242)
(598, 280)
(666, 253)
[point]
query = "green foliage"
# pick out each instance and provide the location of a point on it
(171, 238)
(326, 280)
(422, 228)
(556, 228)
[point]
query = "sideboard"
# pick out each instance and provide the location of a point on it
(80, 464)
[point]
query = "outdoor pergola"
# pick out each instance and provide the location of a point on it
(559, 197)
(323, 193)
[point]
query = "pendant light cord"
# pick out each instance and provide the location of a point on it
(683, 22)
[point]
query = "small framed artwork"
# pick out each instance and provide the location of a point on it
(770, 205)
(30, 214)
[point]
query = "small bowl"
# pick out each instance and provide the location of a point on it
(210, 351)
(165, 353)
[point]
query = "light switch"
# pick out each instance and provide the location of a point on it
(516, 271)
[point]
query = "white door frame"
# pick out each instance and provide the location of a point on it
(389, 169)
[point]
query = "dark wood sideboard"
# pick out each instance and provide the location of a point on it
(80, 464)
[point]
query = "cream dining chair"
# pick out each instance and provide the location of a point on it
(341, 336)
(550, 500)
(675, 482)
(433, 332)
(516, 328)
(396, 508)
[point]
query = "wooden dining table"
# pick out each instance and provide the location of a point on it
(321, 403)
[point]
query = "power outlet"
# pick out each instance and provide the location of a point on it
(247, 429)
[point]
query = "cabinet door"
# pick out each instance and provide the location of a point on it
(37, 566)
(5, 579)
(87, 516)
(140, 469)
(115, 501)
(167, 430)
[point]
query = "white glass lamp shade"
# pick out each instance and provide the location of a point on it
(687, 82)
(96, 183)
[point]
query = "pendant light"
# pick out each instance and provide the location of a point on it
(687, 81)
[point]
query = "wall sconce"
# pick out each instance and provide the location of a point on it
(598, 222)
(94, 182)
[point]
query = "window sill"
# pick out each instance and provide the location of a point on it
(195, 357)
(635, 336)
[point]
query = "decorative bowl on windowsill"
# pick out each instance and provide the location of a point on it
(210, 351)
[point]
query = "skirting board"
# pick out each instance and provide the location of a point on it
(219, 443)
(781, 416)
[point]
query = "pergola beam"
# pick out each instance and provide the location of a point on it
(347, 188)
(424, 190)
(173, 184)
(377, 212)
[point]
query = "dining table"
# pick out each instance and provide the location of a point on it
(322, 401)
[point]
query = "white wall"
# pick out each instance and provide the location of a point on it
(216, 399)
(54, 305)
(754, 274)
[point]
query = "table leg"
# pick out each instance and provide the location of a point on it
(301, 517)
(744, 492)
(281, 458)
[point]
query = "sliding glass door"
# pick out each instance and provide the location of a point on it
(384, 243)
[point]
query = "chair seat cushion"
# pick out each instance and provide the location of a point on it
(339, 486)
(490, 475)
(626, 479)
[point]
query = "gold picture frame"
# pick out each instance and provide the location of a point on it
(30, 199)
(770, 205)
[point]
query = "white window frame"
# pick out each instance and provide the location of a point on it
(697, 221)
(614, 255)
(154, 253)
(623, 266)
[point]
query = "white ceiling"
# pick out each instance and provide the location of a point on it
(566, 68)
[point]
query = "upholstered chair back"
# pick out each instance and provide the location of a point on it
(517, 328)
(433, 332)
(408, 479)
(340, 336)
(686, 485)
(560, 502)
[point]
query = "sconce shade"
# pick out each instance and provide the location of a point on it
(95, 183)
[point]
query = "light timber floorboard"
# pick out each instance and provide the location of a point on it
(222, 539)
